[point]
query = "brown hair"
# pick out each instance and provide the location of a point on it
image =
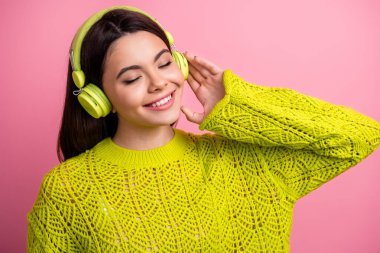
(79, 131)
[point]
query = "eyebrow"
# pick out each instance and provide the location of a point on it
(123, 70)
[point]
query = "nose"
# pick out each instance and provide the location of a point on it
(157, 82)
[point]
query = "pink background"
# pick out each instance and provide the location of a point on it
(327, 49)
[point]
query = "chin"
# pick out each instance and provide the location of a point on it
(167, 120)
(171, 121)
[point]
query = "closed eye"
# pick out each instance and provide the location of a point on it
(165, 65)
(162, 66)
(130, 81)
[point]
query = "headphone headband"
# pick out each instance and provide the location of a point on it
(76, 45)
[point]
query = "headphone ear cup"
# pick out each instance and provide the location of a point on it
(94, 101)
(180, 59)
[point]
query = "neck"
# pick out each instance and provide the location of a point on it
(142, 138)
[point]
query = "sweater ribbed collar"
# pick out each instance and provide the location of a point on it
(175, 149)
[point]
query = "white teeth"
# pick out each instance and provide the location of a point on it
(162, 101)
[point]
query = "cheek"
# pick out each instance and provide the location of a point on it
(127, 97)
(180, 92)
(177, 76)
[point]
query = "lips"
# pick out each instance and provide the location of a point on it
(161, 101)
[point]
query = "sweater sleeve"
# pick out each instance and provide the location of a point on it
(305, 141)
(46, 229)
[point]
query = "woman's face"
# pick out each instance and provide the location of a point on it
(142, 81)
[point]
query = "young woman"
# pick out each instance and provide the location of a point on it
(130, 181)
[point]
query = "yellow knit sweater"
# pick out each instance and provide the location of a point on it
(224, 192)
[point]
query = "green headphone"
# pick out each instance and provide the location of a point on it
(90, 96)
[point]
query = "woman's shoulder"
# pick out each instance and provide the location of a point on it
(64, 171)
(59, 183)
(70, 164)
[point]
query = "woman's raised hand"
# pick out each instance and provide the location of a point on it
(206, 81)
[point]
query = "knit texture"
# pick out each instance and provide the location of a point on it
(226, 191)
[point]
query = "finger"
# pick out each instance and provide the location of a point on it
(201, 62)
(192, 62)
(194, 85)
(196, 74)
(203, 71)
(191, 116)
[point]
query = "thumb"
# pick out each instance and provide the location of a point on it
(191, 116)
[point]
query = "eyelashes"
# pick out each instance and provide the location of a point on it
(131, 81)
(161, 67)
(165, 65)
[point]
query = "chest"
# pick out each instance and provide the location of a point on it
(180, 206)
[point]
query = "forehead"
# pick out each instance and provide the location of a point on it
(135, 47)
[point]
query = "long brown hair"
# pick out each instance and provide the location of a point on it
(79, 131)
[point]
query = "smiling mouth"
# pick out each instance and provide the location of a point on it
(161, 102)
